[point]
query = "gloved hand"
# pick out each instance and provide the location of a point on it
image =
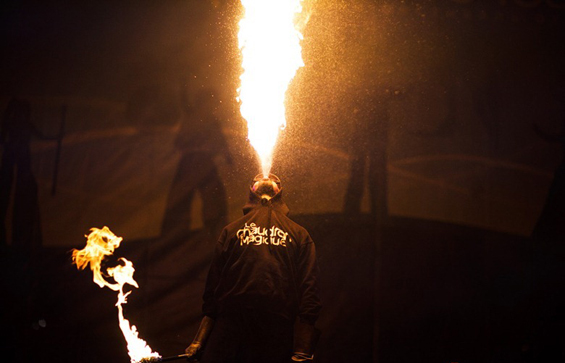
(302, 357)
(305, 340)
(204, 331)
(192, 349)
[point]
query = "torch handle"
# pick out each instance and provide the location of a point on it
(175, 357)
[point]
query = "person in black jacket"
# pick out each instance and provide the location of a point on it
(261, 299)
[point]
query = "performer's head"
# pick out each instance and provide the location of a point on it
(266, 187)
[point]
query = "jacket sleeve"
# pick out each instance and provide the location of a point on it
(307, 266)
(209, 306)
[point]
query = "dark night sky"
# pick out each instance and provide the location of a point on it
(94, 47)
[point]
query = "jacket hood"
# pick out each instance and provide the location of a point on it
(255, 202)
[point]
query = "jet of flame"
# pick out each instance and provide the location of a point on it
(101, 243)
(271, 54)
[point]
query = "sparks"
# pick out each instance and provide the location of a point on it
(271, 54)
(101, 243)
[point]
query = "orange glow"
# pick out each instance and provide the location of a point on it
(101, 243)
(271, 54)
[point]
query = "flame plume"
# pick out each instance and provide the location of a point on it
(271, 54)
(101, 243)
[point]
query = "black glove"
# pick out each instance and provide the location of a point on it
(192, 350)
(200, 339)
(305, 340)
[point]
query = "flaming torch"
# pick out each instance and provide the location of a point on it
(271, 54)
(101, 243)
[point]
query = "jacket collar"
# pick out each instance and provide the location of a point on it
(255, 202)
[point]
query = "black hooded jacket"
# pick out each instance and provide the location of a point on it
(264, 262)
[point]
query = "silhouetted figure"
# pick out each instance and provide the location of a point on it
(15, 170)
(551, 223)
(548, 238)
(368, 151)
(486, 101)
(200, 140)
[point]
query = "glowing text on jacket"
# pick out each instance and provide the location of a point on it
(251, 234)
